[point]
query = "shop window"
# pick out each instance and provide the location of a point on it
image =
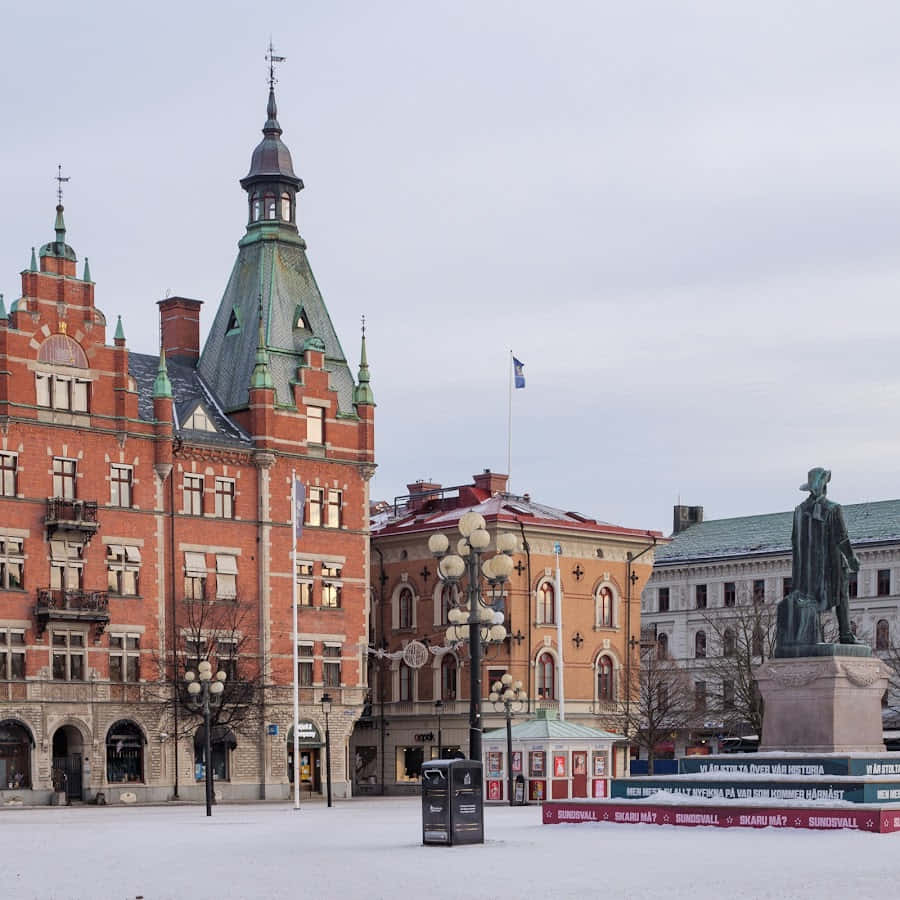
(409, 763)
(315, 500)
(605, 679)
(545, 677)
(883, 635)
(64, 478)
(406, 682)
(730, 593)
(68, 655)
(222, 743)
(124, 753)
(331, 586)
(15, 756)
(120, 484)
(12, 656)
(546, 611)
(333, 519)
(884, 582)
(226, 576)
(192, 495)
(662, 596)
(448, 677)
(66, 565)
(728, 642)
(405, 608)
(194, 576)
(605, 607)
(305, 665)
(8, 470)
(331, 665)
(12, 563)
(125, 657)
(700, 645)
(700, 596)
(123, 569)
(225, 498)
(304, 583)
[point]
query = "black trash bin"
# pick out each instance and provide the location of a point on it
(452, 802)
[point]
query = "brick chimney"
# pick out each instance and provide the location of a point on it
(421, 492)
(492, 482)
(180, 321)
(685, 516)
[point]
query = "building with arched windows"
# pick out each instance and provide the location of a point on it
(420, 712)
(146, 523)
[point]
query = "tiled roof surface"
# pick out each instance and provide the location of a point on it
(719, 538)
(279, 273)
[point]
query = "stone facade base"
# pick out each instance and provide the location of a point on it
(822, 704)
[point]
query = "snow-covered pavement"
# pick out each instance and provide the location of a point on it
(368, 848)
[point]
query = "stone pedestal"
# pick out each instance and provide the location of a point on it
(823, 704)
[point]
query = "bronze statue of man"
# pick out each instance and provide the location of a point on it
(823, 557)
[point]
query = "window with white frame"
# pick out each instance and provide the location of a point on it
(123, 568)
(120, 485)
(545, 676)
(315, 500)
(225, 498)
(9, 463)
(546, 604)
(12, 563)
(333, 509)
(448, 677)
(64, 478)
(62, 392)
(305, 664)
(227, 656)
(195, 650)
(605, 601)
(68, 655)
(226, 576)
(449, 597)
(66, 565)
(315, 425)
(194, 575)
(405, 602)
(605, 687)
(192, 495)
(198, 420)
(331, 585)
(331, 665)
(124, 657)
(406, 682)
(12, 654)
(304, 582)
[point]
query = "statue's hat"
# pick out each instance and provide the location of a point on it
(816, 475)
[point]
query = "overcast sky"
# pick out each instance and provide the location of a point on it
(683, 217)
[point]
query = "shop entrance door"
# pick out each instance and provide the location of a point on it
(67, 761)
(579, 773)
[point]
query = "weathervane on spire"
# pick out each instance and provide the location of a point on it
(272, 58)
(363, 324)
(60, 180)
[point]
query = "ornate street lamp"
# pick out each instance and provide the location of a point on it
(326, 708)
(476, 619)
(204, 694)
(507, 696)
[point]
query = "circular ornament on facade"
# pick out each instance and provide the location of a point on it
(415, 654)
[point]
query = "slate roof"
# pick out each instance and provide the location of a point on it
(188, 389)
(867, 523)
(278, 272)
(552, 729)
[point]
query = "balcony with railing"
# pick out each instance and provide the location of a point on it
(69, 515)
(72, 606)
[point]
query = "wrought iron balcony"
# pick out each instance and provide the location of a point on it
(72, 606)
(64, 514)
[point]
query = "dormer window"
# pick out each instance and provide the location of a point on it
(300, 318)
(199, 421)
(286, 207)
(234, 322)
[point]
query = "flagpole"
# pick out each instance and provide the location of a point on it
(509, 378)
(296, 661)
(557, 549)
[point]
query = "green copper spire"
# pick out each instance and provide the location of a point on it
(87, 274)
(60, 225)
(362, 393)
(261, 377)
(120, 331)
(162, 387)
(3, 314)
(34, 267)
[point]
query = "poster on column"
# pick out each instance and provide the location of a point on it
(517, 761)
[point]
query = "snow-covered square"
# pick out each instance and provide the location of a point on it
(372, 848)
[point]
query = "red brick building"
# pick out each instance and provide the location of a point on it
(145, 523)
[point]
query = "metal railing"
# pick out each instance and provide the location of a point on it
(69, 510)
(50, 600)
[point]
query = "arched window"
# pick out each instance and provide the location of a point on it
(605, 678)
(545, 677)
(449, 593)
(605, 607)
(269, 202)
(546, 613)
(255, 208)
(448, 677)
(728, 643)
(883, 635)
(756, 647)
(286, 207)
(662, 645)
(405, 608)
(124, 753)
(406, 682)
(700, 645)
(15, 756)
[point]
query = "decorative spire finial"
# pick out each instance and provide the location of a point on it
(60, 181)
(272, 58)
(362, 394)
(162, 387)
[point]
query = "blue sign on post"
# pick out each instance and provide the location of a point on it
(557, 548)
(272, 729)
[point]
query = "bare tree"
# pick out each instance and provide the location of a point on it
(662, 701)
(739, 639)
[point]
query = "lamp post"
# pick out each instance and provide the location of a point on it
(204, 694)
(476, 620)
(439, 708)
(507, 696)
(326, 708)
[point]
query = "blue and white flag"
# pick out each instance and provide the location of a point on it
(299, 506)
(519, 373)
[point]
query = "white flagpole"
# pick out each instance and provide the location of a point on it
(294, 605)
(509, 378)
(559, 635)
